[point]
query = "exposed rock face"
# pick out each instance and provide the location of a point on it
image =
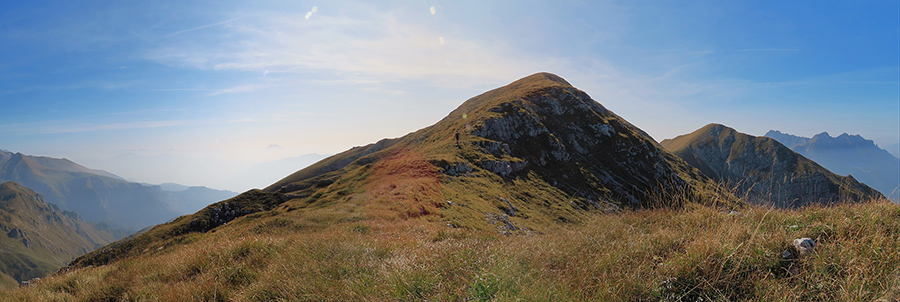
(225, 211)
(561, 132)
(764, 169)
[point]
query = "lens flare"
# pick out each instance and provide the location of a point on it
(432, 10)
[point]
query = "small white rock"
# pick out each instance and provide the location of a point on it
(805, 245)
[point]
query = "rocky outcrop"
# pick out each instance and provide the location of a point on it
(764, 170)
(504, 168)
(223, 212)
(561, 132)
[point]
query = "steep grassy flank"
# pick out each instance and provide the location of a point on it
(648, 255)
(36, 238)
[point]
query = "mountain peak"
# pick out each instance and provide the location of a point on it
(767, 170)
(823, 134)
(536, 129)
(541, 77)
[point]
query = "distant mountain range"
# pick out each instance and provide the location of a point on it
(102, 196)
(849, 155)
(764, 170)
(37, 238)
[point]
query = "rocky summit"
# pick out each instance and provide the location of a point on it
(539, 130)
(765, 171)
(520, 159)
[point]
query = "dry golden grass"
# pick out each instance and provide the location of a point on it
(651, 255)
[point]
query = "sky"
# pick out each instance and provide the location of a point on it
(198, 92)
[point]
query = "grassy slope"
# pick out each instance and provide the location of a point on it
(650, 255)
(53, 238)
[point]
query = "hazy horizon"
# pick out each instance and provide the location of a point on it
(195, 93)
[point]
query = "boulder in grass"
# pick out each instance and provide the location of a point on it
(804, 245)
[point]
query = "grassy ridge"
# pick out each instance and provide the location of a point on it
(648, 255)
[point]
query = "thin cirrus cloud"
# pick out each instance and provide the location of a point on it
(201, 27)
(62, 127)
(378, 45)
(68, 127)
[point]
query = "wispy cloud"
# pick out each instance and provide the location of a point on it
(70, 126)
(377, 45)
(113, 126)
(58, 127)
(201, 27)
(240, 88)
(184, 89)
(770, 49)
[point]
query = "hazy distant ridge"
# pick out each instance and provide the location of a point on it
(849, 154)
(102, 196)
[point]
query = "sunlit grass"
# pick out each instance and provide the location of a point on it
(648, 255)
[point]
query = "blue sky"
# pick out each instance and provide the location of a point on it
(196, 91)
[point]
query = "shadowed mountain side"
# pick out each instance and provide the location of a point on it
(764, 169)
(37, 238)
(849, 154)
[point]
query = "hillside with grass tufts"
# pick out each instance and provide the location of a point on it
(547, 195)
